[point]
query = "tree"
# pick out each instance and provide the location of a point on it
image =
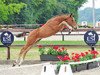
(73, 6)
(7, 9)
(39, 11)
(42, 10)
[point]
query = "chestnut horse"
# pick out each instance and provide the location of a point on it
(51, 27)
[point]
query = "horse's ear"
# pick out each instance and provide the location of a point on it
(71, 15)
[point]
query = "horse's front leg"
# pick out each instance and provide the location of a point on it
(67, 26)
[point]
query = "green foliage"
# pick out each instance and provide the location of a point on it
(3, 11)
(7, 9)
(41, 50)
(15, 8)
(36, 11)
(55, 50)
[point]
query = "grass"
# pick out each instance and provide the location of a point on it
(32, 54)
(54, 43)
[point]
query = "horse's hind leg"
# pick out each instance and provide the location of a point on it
(29, 48)
(22, 55)
(20, 59)
(25, 51)
(31, 40)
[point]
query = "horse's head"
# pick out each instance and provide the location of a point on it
(71, 21)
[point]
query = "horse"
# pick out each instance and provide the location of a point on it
(51, 27)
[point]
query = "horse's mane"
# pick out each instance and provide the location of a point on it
(59, 15)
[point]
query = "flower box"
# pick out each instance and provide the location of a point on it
(81, 67)
(92, 65)
(74, 68)
(98, 63)
(45, 57)
(51, 53)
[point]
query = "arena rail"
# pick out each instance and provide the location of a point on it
(28, 30)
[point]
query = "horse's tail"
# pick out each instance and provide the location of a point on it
(21, 34)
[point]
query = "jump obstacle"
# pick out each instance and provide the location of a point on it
(65, 68)
(43, 69)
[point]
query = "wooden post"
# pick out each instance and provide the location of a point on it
(92, 48)
(62, 37)
(24, 38)
(8, 53)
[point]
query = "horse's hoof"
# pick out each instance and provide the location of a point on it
(19, 65)
(13, 65)
(69, 33)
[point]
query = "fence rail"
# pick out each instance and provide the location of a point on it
(78, 32)
(22, 26)
(28, 30)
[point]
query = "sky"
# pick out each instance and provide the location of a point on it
(89, 4)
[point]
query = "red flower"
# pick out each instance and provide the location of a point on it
(59, 50)
(94, 52)
(89, 50)
(63, 48)
(94, 56)
(60, 57)
(82, 54)
(55, 47)
(86, 53)
(77, 56)
(74, 59)
(66, 58)
(73, 53)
